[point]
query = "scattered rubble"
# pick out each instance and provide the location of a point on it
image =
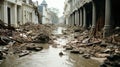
(41, 38)
(83, 43)
(1, 55)
(86, 56)
(19, 41)
(24, 53)
(33, 48)
(93, 46)
(74, 51)
(61, 54)
(112, 61)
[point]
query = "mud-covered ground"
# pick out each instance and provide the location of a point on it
(22, 42)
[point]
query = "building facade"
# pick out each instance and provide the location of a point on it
(44, 12)
(29, 14)
(16, 12)
(99, 15)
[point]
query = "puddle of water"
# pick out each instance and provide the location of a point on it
(49, 57)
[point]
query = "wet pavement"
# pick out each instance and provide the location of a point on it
(49, 56)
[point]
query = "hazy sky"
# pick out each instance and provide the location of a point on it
(59, 4)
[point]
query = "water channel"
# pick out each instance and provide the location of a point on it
(49, 56)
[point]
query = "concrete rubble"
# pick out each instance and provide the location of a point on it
(83, 44)
(22, 39)
(91, 46)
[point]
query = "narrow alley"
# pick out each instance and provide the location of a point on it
(49, 56)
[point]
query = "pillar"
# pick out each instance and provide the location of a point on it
(84, 17)
(77, 18)
(107, 18)
(73, 19)
(93, 15)
(1, 13)
(81, 18)
(70, 19)
(19, 13)
(67, 20)
(14, 15)
(5, 19)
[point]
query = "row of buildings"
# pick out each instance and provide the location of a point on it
(97, 15)
(19, 12)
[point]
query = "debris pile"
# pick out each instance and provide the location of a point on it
(32, 32)
(19, 41)
(89, 46)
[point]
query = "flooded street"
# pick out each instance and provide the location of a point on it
(49, 56)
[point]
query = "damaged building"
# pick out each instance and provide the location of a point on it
(46, 14)
(99, 16)
(18, 12)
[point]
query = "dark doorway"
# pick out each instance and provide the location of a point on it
(100, 15)
(9, 16)
(89, 15)
(115, 18)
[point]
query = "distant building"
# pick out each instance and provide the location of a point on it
(43, 10)
(15, 12)
(67, 11)
(61, 20)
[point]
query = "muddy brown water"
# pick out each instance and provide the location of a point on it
(49, 57)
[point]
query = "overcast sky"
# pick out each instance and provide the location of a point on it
(59, 4)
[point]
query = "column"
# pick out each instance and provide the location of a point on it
(70, 20)
(81, 18)
(67, 20)
(5, 18)
(73, 19)
(77, 18)
(20, 15)
(1, 12)
(107, 18)
(84, 17)
(15, 15)
(93, 15)
(16, 23)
